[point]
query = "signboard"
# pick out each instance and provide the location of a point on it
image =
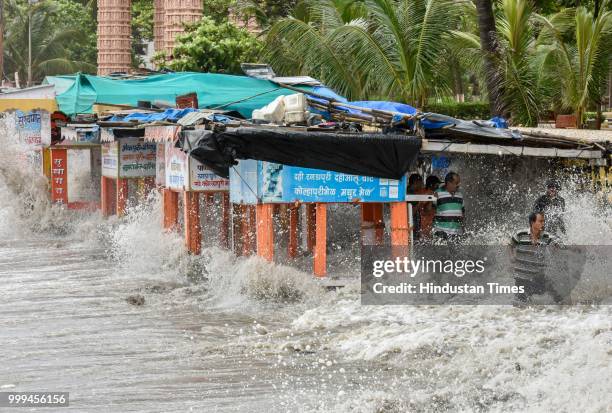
(33, 128)
(176, 168)
(204, 180)
(243, 182)
(285, 184)
(59, 176)
(183, 173)
(110, 159)
(136, 158)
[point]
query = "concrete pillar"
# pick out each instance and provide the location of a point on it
(193, 229)
(400, 229)
(320, 249)
(265, 231)
(171, 209)
(107, 196)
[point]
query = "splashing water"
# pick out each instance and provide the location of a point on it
(218, 332)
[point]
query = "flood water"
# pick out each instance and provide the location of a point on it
(220, 333)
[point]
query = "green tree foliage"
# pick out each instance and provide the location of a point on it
(558, 62)
(82, 48)
(371, 48)
(218, 9)
(54, 45)
(142, 28)
(216, 47)
(142, 20)
(265, 12)
(574, 47)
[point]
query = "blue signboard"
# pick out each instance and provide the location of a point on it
(243, 182)
(274, 183)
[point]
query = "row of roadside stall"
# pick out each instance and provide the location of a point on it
(131, 159)
(106, 144)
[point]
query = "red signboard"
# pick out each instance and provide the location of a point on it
(59, 176)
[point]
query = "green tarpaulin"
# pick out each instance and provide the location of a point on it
(213, 90)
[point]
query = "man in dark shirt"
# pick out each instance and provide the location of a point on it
(530, 262)
(552, 205)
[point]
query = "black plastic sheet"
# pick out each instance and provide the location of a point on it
(378, 155)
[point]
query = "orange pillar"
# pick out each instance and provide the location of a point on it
(311, 215)
(400, 228)
(225, 221)
(265, 231)
(320, 248)
(108, 195)
(122, 196)
(193, 229)
(294, 214)
(171, 209)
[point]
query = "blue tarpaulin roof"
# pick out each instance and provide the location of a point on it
(169, 114)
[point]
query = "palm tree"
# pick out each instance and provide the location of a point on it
(517, 90)
(490, 53)
(305, 43)
(578, 66)
(48, 51)
(369, 48)
(522, 93)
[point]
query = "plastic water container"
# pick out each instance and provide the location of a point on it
(296, 117)
(295, 103)
(274, 112)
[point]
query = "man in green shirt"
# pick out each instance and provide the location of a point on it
(448, 222)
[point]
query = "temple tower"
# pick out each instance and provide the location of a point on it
(158, 28)
(176, 14)
(114, 36)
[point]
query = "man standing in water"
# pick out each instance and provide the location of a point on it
(448, 222)
(552, 205)
(529, 253)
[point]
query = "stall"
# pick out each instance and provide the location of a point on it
(126, 157)
(75, 167)
(260, 185)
